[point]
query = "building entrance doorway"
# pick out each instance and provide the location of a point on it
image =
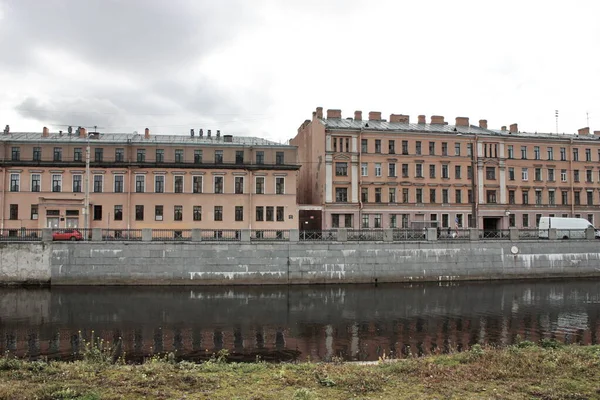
(491, 224)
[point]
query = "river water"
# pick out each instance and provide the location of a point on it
(353, 322)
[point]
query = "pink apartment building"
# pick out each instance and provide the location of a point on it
(377, 173)
(147, 181)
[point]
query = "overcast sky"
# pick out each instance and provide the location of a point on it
(260, 67)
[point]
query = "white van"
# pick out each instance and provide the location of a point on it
(566, 228)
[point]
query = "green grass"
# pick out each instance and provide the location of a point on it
(525, 371)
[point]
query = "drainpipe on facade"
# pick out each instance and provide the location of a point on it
(571, 178)
(360, 180)
(129, 197)
(474, 184)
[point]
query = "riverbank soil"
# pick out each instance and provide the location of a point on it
(524, 371)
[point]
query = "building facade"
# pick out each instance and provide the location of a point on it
(146, 181)
(377, 173)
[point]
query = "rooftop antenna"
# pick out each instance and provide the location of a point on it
(556, 115)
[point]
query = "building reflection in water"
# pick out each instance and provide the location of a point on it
(297, 323)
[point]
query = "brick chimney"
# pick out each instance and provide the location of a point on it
(334, 114)
(45, 132)
(514, 128)
(358, 115)
(399, 118)
(319, 112)
(583, 131)
(503, 129)
(422, 119)
(483, 123)
(146, 133)
(374, 116)
(82, 133)
(462, 121)
(597, 133)
(437, 120)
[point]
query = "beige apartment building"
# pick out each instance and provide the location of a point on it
(146, 181)
(377, 173)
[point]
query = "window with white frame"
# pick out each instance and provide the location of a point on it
(178, 184)
(98, 183)
(377, 169)
(15, 182)
(77, 186)
(140, 183)
(118, 185)
(57, 183)
(197, 184)
(159, 183)
(36, 182)
(364, 169)
(279, 185)
(524, 174)
(260, 185)
(218, 184)
(239, 185)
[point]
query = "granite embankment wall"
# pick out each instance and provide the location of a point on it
(138, 263)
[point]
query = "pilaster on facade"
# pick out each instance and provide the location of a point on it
(328, 178)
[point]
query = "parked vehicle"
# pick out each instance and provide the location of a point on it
(566, 228)
(67, 234)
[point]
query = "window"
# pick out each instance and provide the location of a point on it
(377, 146)
(365, 221)
(511, 197)
(575, 154)
(590, 198)
(458, 196)
(391, 147)
(197, 213)
(37, 154)
(98, 154)
(590, 218)
(160, 155)
(511, 151)
(550, 153)
(377, 169)
(551, 197)
(140, 183)
(270, 211)
(118, 213)
(178, 184)
(364, 145)
(279, 158)
(178, 213)
(431, 170)
(445, 196)
(141, 155)
(457, 172)
(563, 154)
(34, 211)
(260, 157)
(279, 185)
(77, 154)
(589, 175)
(445, 174)
(260, 185)
(348, 220)
(197, 156)
(405, 194)
(57, 183)
(536, 152)
(563, 175)
(577, 197)
(511, 174)
(57, 154)
(36, 180)
(537, 219)
(419, 195)
(159, 183)
(118, 184)
(239, 157)
(405, 147)
(551, 174)
(444, 148)
(77, 183)
(524, 174)
(538, 197)
(218, 156)
(139, 212)
(97, 213)
(364, 194)
(119, 155)
(14, 211)
(260, 213)
(341, 169)
(469, 149)
(538, 174)
(393, 221)
(419, 170)
(418, 148)
(445, 220)
(525, 197)
(576, 175)
(432, 148)
(15, 182)
(564, 197)
(335, 144)
(457, 149)
(377, 221)
(525, 220)
(470, 196)
(364, 169)
(341, 195)
(432, 195)
(178, 155)
(392, 195)
(392, 169)
(218, 184)
(490, 173)
(378, 195)
(405, 170)
(469, 172)
(459, 220)
(98, 183)
(523, 152)
(490, 196)
(279, 214)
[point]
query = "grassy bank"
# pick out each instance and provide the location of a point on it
(525, 371)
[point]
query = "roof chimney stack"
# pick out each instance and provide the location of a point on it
(437, 120)
(597, 133)
(374, 116)
(334, 114)
(45, 132)
(514, 128)
(462, 121)
(82, 133)
(146, 133)
(399, 118)
(422, 119)
(319, 112)
(483, 123)
(358, 115)
(583, 131)
(503, 129)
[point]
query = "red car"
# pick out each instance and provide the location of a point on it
(67, 234)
